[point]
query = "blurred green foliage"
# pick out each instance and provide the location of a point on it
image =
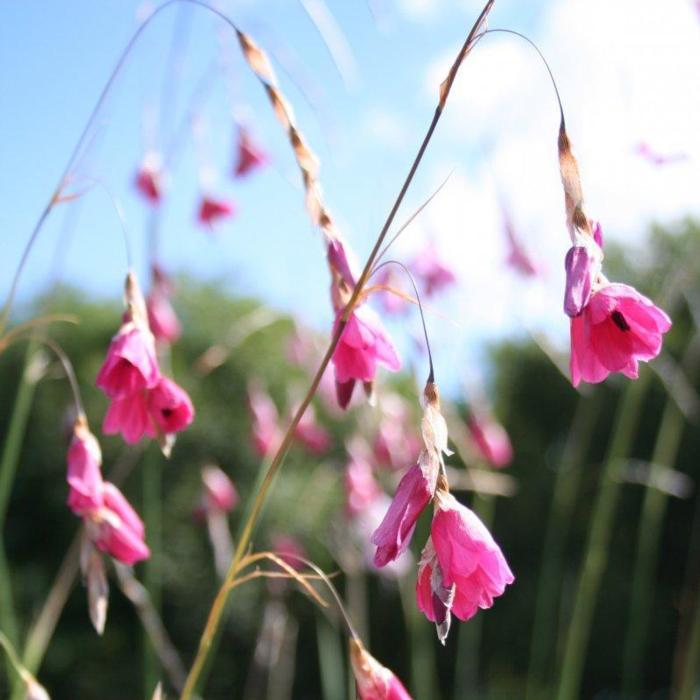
(532, 398)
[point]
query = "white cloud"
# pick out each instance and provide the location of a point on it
(627, 72)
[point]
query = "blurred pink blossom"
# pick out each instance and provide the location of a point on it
(618, 328)
(162, 319)
(311, 434)
(149, 179)
(361, 489)
(250, 157)
(265, 432)
(213, 209)
(219, 493)
(490, 439)
(645, 151)
(372, 680)
(518, 258)
(434, 273)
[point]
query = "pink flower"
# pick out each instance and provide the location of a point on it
(250, 156)
(129, 416)
(363, 344)
(374, 681)
(313, 436)
(161, 411)
(518, 258)
(219, 492)
(120, 530)
(361, 489)
(212, 209)
(468, 556)
(413, 493)
(289, 549)
(170, 408)
(265, 433)
(653, 157)
(162, 320)
(393, 303)
(490, 439)
(395, 445)
(435, 274)
(131, 363)
(618, 328)
(84, 475)
(149, 180)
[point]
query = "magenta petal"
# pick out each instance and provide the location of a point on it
(393, 535)
(84, 475)
(121, 532)
(579, 265)
(170, 407)
(128, 416)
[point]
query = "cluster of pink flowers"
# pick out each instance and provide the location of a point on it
(111, 523)
(461, 569)
(613, 326)
(143, 401)
(150, 179)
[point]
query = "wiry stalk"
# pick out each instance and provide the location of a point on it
(217, 609)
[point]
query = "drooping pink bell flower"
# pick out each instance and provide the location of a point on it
(219, 493)
(120, 530)
(392, 302)
(618, 328)
(162, 319)
(363, 344)
(250, 156)
(361, 488)
(149, 179)
(84, 469)
(288, 548)
(170, 407)
(213, 209)
(435, 274)
(468, 557)
(490, 439)
(131, 363)
(311, 434)
(413, 494)
(111, 523)
(265, 432)
(395, 445)
(372, 680)
(164, 410)
(433, 598)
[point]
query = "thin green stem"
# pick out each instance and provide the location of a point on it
(566, 488)
(8, 468)
(601, 528)
(152, 513)
(691, 673)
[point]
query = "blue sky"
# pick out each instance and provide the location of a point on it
(497, 139)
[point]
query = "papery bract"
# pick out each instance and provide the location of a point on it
(468, 556)
(618, 328)
(374, 681)
(131, 363)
